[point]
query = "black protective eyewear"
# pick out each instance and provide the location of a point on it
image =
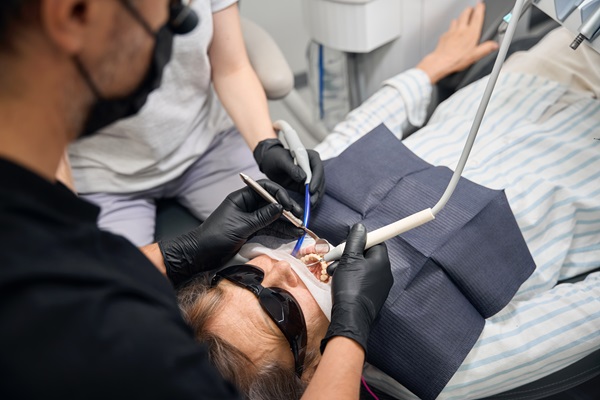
(279, 304)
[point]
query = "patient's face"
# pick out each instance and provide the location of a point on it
(243, 323)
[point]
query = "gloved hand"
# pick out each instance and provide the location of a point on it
(241, 215)
(277, 163)
(360, 286)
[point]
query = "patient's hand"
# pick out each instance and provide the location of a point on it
(458, 48)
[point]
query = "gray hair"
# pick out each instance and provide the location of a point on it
(270, 380)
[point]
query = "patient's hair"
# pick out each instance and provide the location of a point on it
(270, 380)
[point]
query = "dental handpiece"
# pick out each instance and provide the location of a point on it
(296, 148)
(382, 234)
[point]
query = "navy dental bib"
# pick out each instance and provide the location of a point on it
(449, 274)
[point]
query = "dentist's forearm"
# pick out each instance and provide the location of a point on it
(243, 97)
(234, 80)
(338, 374)
(153, 253)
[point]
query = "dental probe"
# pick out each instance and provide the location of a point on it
(267, 196)
(418, 219)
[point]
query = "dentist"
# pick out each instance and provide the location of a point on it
(85, 314)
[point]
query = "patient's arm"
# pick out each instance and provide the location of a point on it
(338, 374)
(531, 338)
(458, 48)
(401, 104)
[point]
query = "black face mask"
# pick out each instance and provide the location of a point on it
(106, 111)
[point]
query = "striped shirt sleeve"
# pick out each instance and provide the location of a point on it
(400, 103)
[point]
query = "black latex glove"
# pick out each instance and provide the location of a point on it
(359, 288)
(241, 215)
(277, 163)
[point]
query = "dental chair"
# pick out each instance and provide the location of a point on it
(574, 382)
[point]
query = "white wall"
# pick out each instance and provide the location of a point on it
(422, 22)
(284, 21)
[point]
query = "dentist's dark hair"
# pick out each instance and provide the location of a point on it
(11, 12)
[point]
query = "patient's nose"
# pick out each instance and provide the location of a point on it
(281, 275)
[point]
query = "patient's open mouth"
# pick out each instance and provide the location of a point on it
(318, 269)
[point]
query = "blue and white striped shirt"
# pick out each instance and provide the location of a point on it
(537, 142)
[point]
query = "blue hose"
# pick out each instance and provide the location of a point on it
(321, 82)
(304, 221)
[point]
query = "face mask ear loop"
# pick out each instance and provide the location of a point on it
(136, 15)
(85, 74)
(87, 78)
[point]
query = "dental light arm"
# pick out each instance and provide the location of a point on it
(413, 221)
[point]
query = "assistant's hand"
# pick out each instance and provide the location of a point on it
(242, 214)
(458, 48)
(360, 286)
(277, 163)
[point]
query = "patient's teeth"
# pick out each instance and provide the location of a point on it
(320, 273)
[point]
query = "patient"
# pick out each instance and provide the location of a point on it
(246, 345)
(536, 143)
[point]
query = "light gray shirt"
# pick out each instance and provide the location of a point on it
(174, 128)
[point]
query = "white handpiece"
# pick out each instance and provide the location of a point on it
(296, 147)
(387, 232)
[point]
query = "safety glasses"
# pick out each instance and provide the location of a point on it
(279, 304)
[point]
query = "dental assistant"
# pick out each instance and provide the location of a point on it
(192, 138)
(85, 313)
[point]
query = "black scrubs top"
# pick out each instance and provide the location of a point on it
(83, 314)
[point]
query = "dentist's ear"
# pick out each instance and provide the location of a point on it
(68, 23)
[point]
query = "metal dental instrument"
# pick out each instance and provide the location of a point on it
(288, 214)
(412, 221)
